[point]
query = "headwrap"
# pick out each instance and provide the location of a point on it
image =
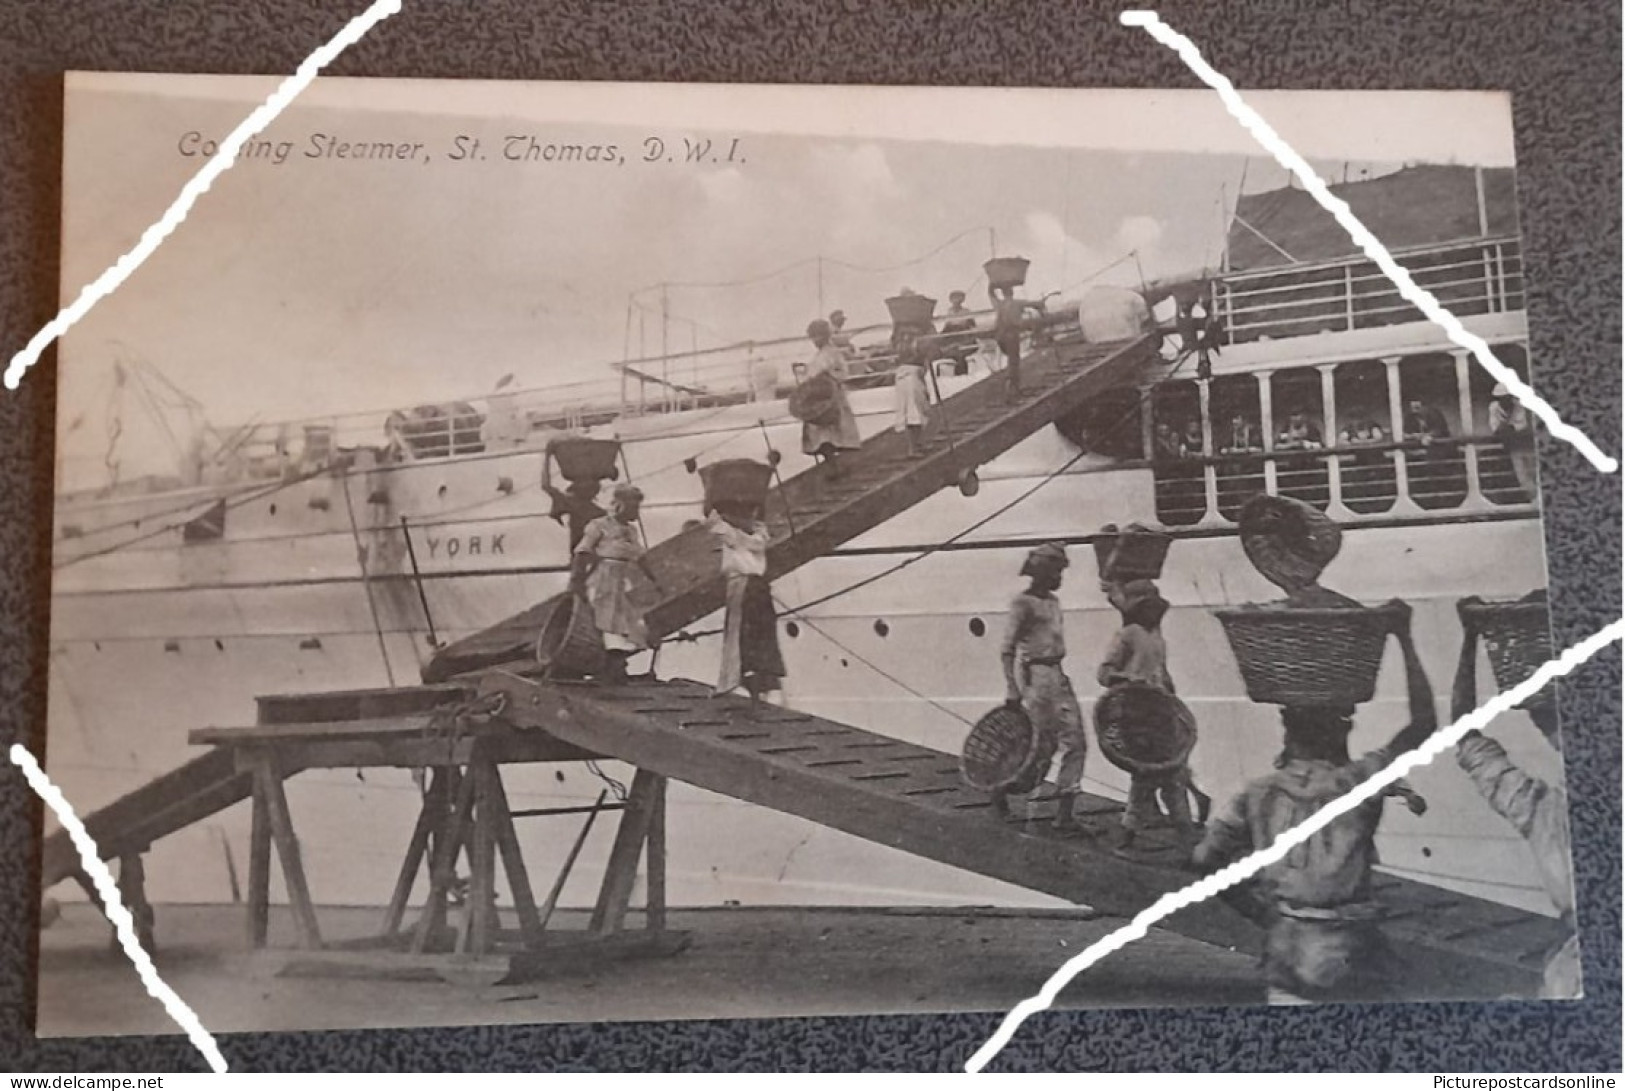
(817, 328)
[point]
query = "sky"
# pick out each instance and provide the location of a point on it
(325, 285)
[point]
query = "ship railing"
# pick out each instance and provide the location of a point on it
(1477, 277)
(1458, 476)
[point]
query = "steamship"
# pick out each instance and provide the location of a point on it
(340, 553)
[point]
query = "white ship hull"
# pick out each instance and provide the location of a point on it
(155, 639)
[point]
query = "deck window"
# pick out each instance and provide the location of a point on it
(1370, 484)
(1177, 454)
(1298, 413)
(1239, 439)
(1435, 457)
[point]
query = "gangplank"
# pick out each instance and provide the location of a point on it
(812, 513)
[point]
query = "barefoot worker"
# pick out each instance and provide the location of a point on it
(1323, 939)
(608, 571)
(1139, 656)
(1033, 653)
(1537, 810)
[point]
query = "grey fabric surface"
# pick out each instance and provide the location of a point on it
(1561, 61)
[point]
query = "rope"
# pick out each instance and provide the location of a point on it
(616, 788)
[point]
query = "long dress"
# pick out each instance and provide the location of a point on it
(616, 582)
(909, 399)
(750, 636)
(842, 432)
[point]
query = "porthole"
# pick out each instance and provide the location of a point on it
(442, 492)
(273, 509)
(219, 647)
(978, 627)
(792, 630)
(844, 663)
(881, 628)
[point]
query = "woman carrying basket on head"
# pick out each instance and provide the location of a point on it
(608, 570)
(837, 429)
(1033, 654)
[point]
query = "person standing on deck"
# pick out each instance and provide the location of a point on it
(750, 636)
(840, 433)
(1008, 324)
(1033, 654)
(839, 337)
(1509, 423)
(1537, 810)
(608, 570)
(1323, 941)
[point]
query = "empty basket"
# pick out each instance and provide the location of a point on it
(586, 459)
(1000, 751)
(1293, 655)
(1143, 730)
(1518, 636)
(570, 643)
(816, 401)
(1288, 541)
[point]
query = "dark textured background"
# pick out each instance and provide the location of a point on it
(1561, 60)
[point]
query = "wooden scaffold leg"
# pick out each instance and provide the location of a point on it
(271, 810)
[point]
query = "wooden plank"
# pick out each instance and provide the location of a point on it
(620, 874)
(513, 859)
(317, 731)
(259, 870)
(433, 806)
(269, 783)
(447, 844)
(655, 906)
(418, 751)
(356, 704)
(951, 827)
(482, 860)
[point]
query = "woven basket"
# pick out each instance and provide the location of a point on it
(816, 401)
(736, 480)
(1138, 554)
(586, 459)
(1006, 272)
(1143, 730)
(912, 311)
(1000, 751)
(1308, 656)
(1288, 541)
(570, 643)
(1517, 634)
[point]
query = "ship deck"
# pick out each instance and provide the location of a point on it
(742, 963)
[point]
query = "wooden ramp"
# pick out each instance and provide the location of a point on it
(912, 798)
(813, 514)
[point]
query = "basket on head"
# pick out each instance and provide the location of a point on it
(586, 459)
(816, 401)
(1288, 541)
(1295, 655)
(736, 481)
(1143, 730)
(1006, 272)
(570, 644)
(1517, 634)
(1000, 750)
(912, 311)
(1137, 553)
